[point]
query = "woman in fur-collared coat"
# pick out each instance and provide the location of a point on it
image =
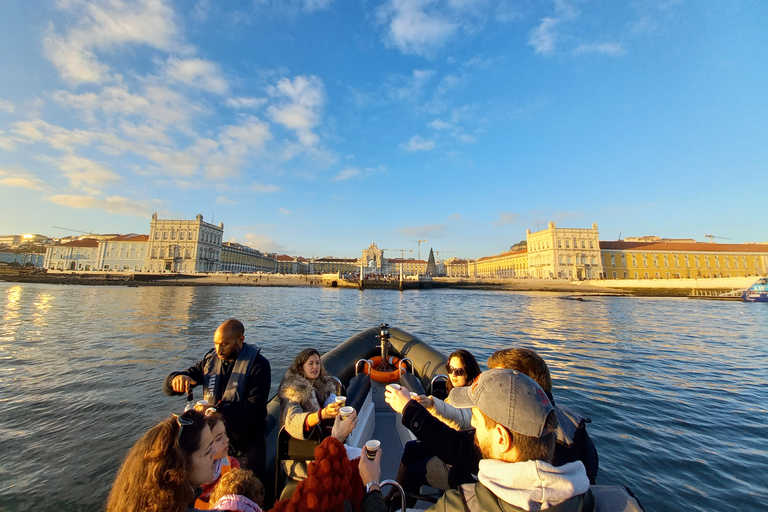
(304, 391)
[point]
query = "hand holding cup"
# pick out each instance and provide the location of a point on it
(397, 396)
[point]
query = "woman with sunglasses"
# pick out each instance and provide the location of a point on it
(165, 466)
(462, 371)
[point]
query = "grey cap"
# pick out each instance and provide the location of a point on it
(510, 398)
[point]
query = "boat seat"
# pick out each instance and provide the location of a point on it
(357, 391)
(290, 448)
(412, 383)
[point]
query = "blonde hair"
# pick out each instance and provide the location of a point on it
(239, 481)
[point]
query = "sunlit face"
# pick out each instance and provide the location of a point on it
(482, 434)
(312, 367)
(220, 441)
(457, 367)
(202, 469)
(227, 344)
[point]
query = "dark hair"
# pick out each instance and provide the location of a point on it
(238, 481)
(525, 361)
(470, 366)
(212, 418)
(531, 448)
(153, 476)
(298, 362)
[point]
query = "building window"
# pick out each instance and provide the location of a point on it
(561, 260)
(657, 275)
(635, 275)
(717, 262)
(157, 235)
(687, 264)
(569, 260)
(706, 261)
(696, 259)
(591, 244)
(645, 275)
(173, 235)
(634, 261)
(666, 261)
(165, 235)
(677, 262)
(614, 274)
(592, 260)
(613, 261)
(625, 274)
(624, 261)
(568, 243)
(667, 275)
(645, 260)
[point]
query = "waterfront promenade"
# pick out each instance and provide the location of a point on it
(642, 287)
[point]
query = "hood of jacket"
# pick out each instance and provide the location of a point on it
(236, 502)
(296, 388)
(533, 485)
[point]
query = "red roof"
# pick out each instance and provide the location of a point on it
(131, 237)
(620, 245)
(284, 257)
(86, 242)
(401, 260)
(507, 253)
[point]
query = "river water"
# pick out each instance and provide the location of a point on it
(677, 389)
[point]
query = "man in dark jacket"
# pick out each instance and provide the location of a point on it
(236, 380)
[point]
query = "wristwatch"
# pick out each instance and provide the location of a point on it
(373, 485)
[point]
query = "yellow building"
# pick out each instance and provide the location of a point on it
(564, 253)
(291, 265)
(410, 266)
(670, 259)
(241, 258)
(329, 265)
(506, 264)
(455, 267)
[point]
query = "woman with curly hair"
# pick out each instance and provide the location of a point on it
(162, 470)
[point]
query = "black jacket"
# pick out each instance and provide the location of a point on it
(245, 419)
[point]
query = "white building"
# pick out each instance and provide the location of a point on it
(126, 253)
(565, 253)
(183, 246)
(75, 255)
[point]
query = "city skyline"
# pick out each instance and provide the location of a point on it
(315, 127)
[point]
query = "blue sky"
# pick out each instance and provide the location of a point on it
(315, 127)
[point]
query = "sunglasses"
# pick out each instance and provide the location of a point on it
(459, 372)
(182, 422)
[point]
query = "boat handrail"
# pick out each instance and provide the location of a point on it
(364, 361)
(397, 486)
(432, 382)
(405, 359)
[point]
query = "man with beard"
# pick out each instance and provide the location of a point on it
(236, 380)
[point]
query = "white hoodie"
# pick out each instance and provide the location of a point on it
(533, 485)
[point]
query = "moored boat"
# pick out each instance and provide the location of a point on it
(758, 292)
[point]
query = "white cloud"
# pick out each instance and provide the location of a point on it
(224, 200)
(112, 204)
(439, 124)
(105, 25)
(57, 137)
(263, 243)
(265, 189)
(6, 106)
(408, 87)
(199, 73)
(242, 102)
(506, 218)
(417, 143)
(299, 110)
(416, 26)
(86, 174)
(10, 177)
(284, 211)
(611, 49)
(544, 38)
(345, 174)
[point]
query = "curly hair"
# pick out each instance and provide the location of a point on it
(470, 366)
(153, 477)
(239, 481)
(298, 362)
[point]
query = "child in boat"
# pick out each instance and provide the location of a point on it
(223, 462)
(238, 490)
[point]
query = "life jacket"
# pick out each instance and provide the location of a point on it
(202, 502)
(235, 391)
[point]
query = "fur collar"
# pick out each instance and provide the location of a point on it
(296, 388)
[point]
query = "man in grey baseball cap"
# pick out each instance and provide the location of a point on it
(514, 425)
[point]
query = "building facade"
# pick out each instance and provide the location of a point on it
(184, 245)
(241, 258)
(291, 264)
(670, 259)
(455, 267)
(75, 255)
(125, 253)
(329, 265)
(506, 264)
(564, 253)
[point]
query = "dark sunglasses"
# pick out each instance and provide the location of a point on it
(459, 372)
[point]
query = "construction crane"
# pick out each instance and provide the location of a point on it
(437, 254)
(419, 241)
(81, 231)
(712, 237)
(402, 252)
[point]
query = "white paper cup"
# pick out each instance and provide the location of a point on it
(414, 394)
(345, 412)
(341, 400)
(201, 403)
(371, 447)
(394, 386)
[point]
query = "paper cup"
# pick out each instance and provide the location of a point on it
(341, 400)
(414, 394)
(371, 447)
(345, 412)
(394, 386)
